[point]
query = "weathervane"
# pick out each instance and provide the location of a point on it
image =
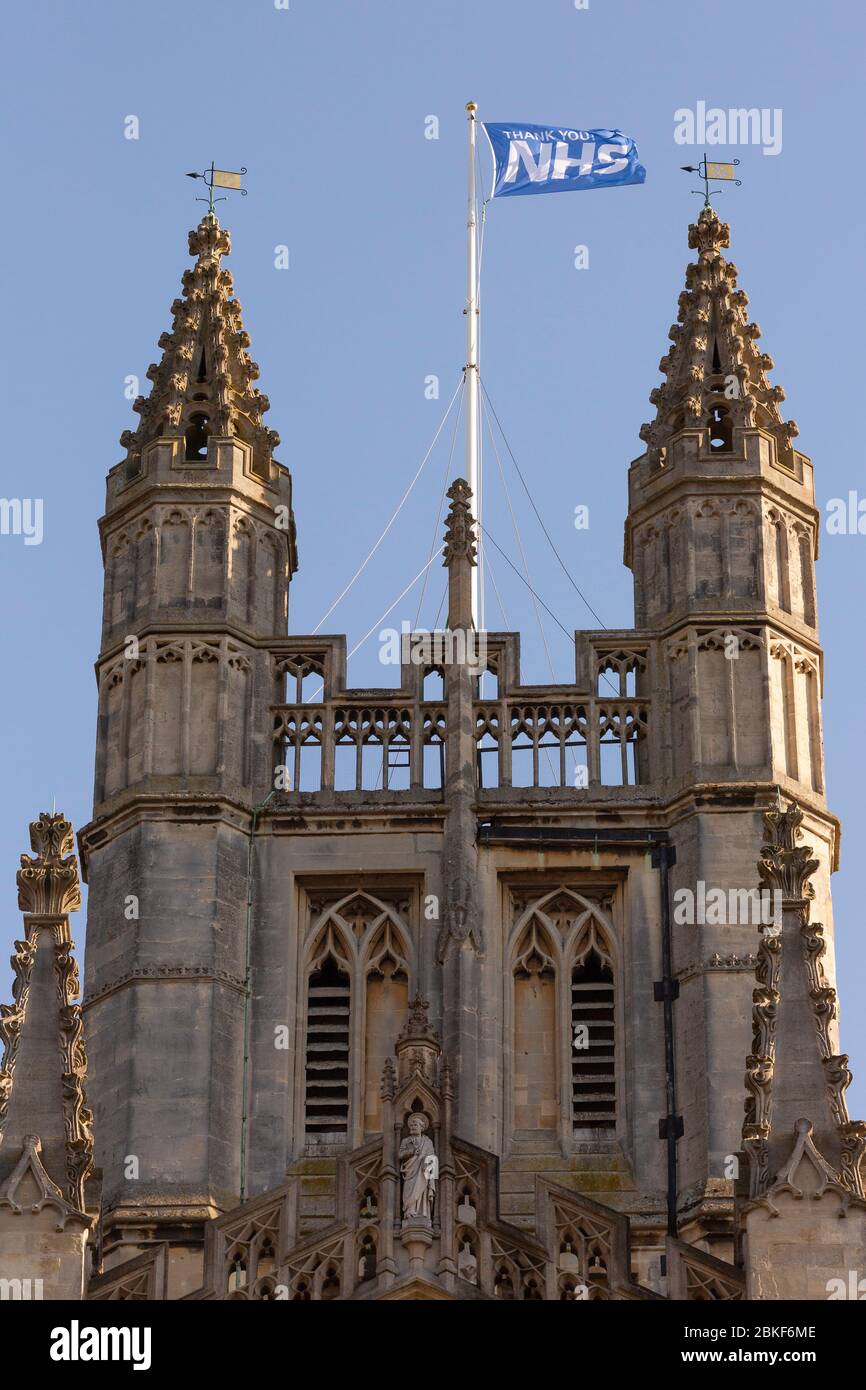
(218, 178)
(708, 171)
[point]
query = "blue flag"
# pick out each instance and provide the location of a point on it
(553, 159)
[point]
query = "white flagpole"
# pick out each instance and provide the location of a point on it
(471, 369)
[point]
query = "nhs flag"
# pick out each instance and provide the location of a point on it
(553, 159)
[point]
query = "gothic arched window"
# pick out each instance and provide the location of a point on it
(563, 1006)
(357, 997)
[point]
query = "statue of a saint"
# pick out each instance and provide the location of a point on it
(419, 1167)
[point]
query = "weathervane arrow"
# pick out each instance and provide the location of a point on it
(219, 178)
(720, 170)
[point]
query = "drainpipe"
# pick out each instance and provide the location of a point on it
(247, 996)
(665, 991)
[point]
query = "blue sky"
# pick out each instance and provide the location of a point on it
(326, 105)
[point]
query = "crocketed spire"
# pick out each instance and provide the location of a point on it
(203, 383)
(715, 374)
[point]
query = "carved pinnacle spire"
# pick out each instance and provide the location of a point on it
(459, 555)
(459, 526)
(205, 376)
(44, 1117)
(797, 1132)
(715, 375)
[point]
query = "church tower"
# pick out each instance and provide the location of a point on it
(722, 537)
(198, 546)
(513, 929)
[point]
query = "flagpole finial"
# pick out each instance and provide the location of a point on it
(471, 107)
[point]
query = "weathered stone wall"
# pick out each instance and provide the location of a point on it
(165, 1010)
(803, 1252)
(38, 1261)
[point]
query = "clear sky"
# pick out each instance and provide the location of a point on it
(326, 103)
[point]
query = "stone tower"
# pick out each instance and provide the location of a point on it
(722, 537)
(198, 545)
(560, 878)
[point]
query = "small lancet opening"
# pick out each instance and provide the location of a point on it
(196, 439)
(720, 428)
(201, 374)
(717, 361)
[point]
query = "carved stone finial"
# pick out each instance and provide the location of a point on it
(418, 1047)
(209, 239)
(785, 866)
(709, 235)
(51, 836)
(417, 1023)
(460, 541)
(49, 885)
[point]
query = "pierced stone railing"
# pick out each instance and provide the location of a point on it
(562, 743)
(361, 746)
(364, 745)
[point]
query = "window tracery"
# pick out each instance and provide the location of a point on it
(357, 992)
(563, 1010)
